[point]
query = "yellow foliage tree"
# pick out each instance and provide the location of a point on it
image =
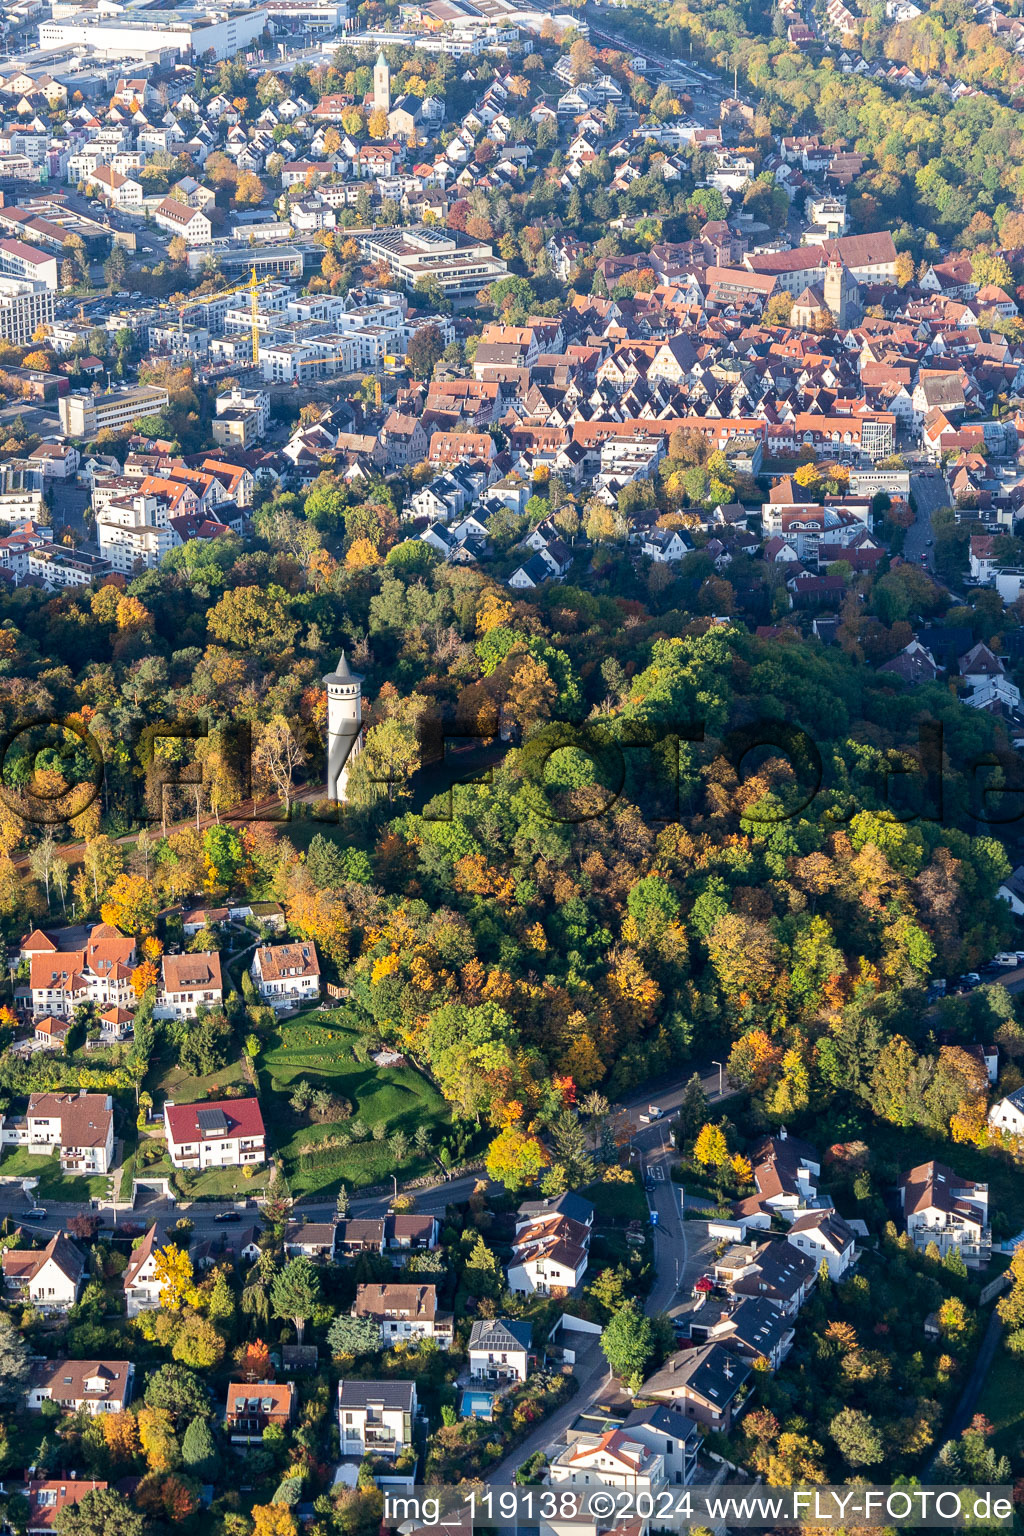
(273, 1520)
(174, 1274)
(493, 610)
(710, 1149)
(159, 1445)
(130, 905)
(378, 124)
(361, 553)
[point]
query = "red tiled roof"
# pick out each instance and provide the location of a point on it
(242, 1115)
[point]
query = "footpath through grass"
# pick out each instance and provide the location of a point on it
(317, 1048)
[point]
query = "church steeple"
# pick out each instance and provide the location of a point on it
(381, 84)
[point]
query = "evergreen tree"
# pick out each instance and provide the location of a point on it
(483, 1272)
(199, 1451)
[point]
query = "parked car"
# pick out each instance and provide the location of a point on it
(37, 1213)
(227, 1216)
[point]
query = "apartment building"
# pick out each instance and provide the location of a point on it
(375, 1417)
(81, 1125)
(86, 415)
(227, 1134)
(25, 305)
(100, 972)
(192, 224)
(942, 1207)
(460, 265)
(27, 262)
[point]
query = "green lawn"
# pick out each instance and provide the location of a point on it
(616, 1205)
(53, 1185)
(1002, 1402)
(166, 1080)
(317, 1047)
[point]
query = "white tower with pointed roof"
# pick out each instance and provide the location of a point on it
(381, 84)
(344, 726)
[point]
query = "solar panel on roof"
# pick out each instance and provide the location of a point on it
(211, 1122)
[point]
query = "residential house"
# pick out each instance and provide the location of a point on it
(549, 1253)
(187, 983)
(48, 1496)
(751, 1326)
(359, 1234)
(310, 1239)
(95, 1386)
(80, 1124)
(252, 1406)
(499, 1349)
(708, 1384)
(773, 1269)
(375, 1417)
(404, 1312)
(827, 1239)
(287, 975)
(617, 1461)
(410, 1232)
(51, 1033)
(227, 1134)
(1007, 1113)
(943, 1208)
(51, 1278)
(141, 1288)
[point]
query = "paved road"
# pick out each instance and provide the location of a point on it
(929, 490)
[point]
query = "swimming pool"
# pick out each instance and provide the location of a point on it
(477, 1404)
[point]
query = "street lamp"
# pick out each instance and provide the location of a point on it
(394, 1180)
(721, 1069)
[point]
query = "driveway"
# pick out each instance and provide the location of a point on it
(591, 1371)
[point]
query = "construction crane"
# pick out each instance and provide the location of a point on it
(251, 287)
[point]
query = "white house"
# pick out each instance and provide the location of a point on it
(188, 981)
(228, 1134)
(51, 1277)
(97, 1386)
(665, 545)
(404, 1312)
(825, 1236)
(141, 1290)
(80, 1124)
(616, 1461)
(499, 1349)
(1007, 1114)
(287, 974)
(375, 1417)
(941, 1207)
(551, 1247)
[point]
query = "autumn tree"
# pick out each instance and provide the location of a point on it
(131, 905)
(515, 1159)
(174, 1274)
